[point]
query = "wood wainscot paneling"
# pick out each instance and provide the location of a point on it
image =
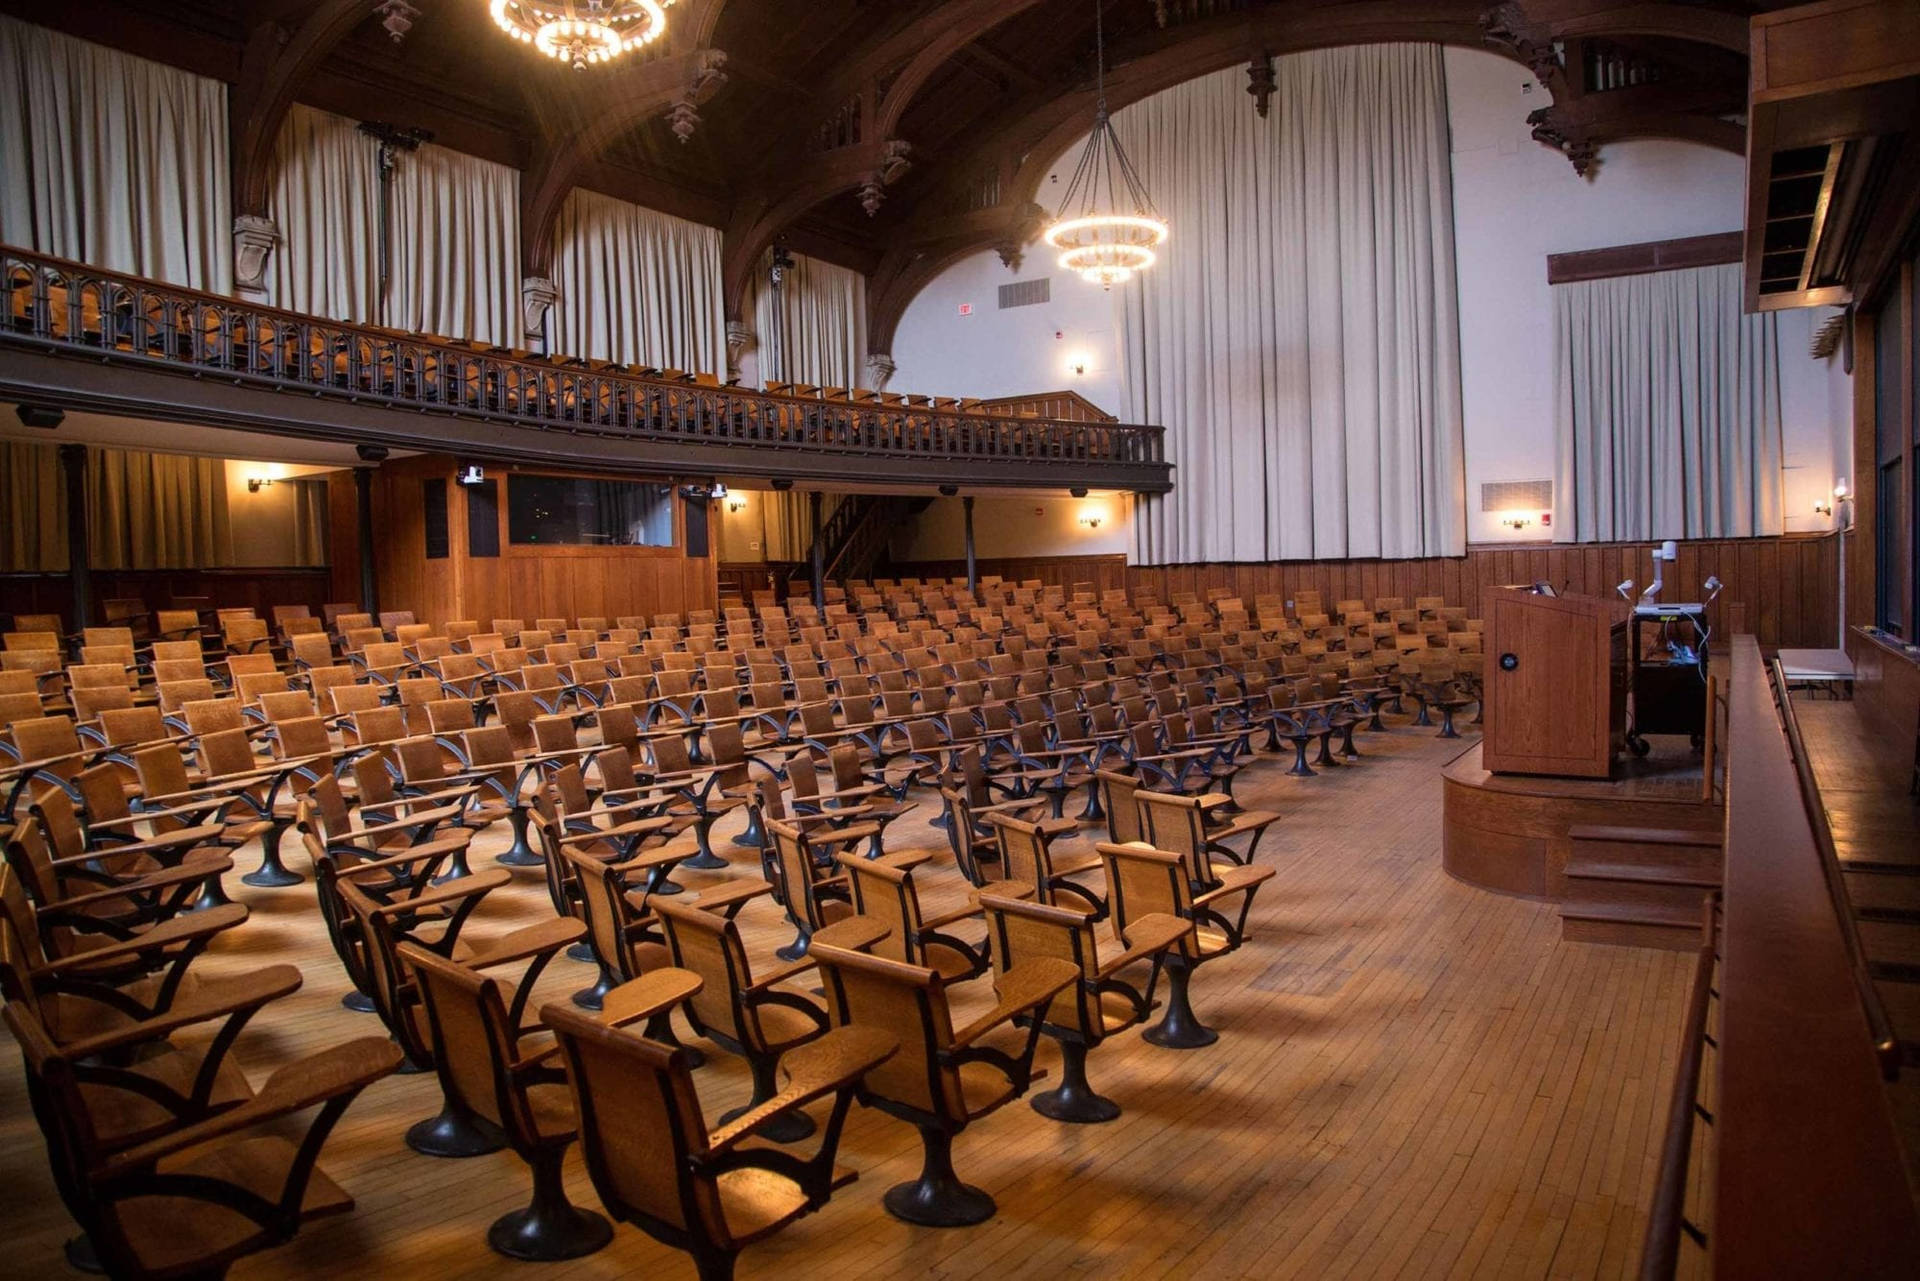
(523, 582)
(1782, 590)
(1886, 689)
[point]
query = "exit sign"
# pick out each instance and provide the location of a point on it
(966, 309)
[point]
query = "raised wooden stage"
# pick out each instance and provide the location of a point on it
(1627, 857)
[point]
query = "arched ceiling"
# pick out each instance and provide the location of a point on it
(893, 136)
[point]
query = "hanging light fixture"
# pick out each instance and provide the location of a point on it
(1105, 230)
(582, 32)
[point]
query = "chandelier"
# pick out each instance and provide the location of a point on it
(581, 32)
(1107, 227)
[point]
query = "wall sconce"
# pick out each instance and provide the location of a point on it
(736, 502)
(1091, 519)
(257, 483)
(1823, 507)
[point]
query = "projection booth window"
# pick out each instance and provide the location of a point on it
(571, 511)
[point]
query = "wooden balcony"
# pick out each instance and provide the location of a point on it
(81, 338)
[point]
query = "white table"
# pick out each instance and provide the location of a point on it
(1817, 667)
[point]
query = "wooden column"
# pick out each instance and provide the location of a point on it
(819, 554)
(973, 565)
(73, 462)
(363, 497)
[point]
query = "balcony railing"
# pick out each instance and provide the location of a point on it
(74, 309)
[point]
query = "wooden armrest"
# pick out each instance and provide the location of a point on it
(848, 835)
(471, 886)
(1027, 986)
(1154, 932)
(212, 999)
(779, 975)
(185, 874)
(724, 896)
(415, 854)
(417, 819)
(189, 836)
(180, 929)
(1235, 880)
(527, 942)
(141, 816)
(633, 827)
(814, 1070)
(971, 908)
(294, 1088)
(854, 933)
(648, 995)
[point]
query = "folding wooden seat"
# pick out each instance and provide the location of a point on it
(649, 1152)
(170, 1206)
(1144, 883)
(884, 891)
(115, 889)
(501, 1071)
(391, 619)
(1097, 1006)
(754, 1018)
(1439, 686)
(245, 636)
(311, 650)
(922, 1083)
(1027, 860)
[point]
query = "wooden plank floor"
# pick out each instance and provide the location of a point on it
(1414, 1079)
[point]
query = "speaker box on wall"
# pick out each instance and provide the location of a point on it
(697, 537)
(483, 519)
(433, 507)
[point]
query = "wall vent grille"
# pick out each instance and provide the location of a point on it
(1026, 293)
(1517, 495)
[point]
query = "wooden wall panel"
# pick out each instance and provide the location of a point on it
(1784, 588)
(522, 582)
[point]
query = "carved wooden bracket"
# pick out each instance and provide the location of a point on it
(537, 297)
(253, 240)
(1260, 83)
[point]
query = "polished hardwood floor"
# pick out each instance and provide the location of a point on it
(1415, 1078)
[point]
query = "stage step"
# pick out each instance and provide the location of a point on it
(1674, 928)
(1656, 847)
(1591, 881)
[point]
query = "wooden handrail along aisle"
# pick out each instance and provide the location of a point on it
(1806, 1173)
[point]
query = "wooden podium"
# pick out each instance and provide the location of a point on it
(1555, 684)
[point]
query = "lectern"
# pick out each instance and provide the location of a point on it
(1555, 684)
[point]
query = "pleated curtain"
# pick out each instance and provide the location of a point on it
(1299, 339)
(157, 511)
(326, 201)
(113, 160)
(1668, 413)
(456, 247)
(33, 509)
(637, 286)
(813, 328)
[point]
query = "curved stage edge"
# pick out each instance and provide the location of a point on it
(1508, 832)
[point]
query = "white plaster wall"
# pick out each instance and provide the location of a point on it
(1515, 202)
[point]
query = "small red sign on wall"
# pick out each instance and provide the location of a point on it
(966, 309)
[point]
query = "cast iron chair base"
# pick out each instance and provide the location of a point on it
(550, 1227)
(455, 1135)
(938, 1199)
(1180, 1028)
(1074, 1101)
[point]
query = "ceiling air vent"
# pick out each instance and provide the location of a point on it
(1516, 495)
(1026, 293)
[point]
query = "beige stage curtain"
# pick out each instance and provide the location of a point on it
(157, 511)
(33, 508)
(456, 247)
(1299, 339)
(1667, 409)
(637, 286)
(113, 160)
(326, 202)
(813, 328)
(310, 540)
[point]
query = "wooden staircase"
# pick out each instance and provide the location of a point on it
(1638, 885)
